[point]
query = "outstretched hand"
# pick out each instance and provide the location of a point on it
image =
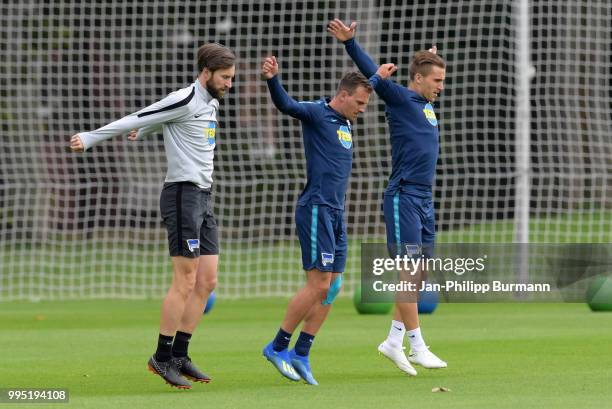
(433, 49)
(339, 30)
(386, 70)
(76, 145)
(269, 68)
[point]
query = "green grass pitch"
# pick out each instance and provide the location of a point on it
(500, 356)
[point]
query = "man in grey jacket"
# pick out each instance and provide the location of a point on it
(188, 120)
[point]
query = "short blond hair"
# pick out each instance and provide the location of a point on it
(422, 63)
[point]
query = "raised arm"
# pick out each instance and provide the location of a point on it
(152, 117)
(364, 62)
(389, 91)
(280, 98)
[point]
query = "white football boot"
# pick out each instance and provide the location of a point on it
(426, 359)
(397, 356)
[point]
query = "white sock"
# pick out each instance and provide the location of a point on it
(417, 343)
(396, 334)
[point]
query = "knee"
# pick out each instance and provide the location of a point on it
(206, 286)
(320, 287)
(185, 283)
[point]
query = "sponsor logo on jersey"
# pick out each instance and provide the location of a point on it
(193, 244)
(327, 258)
(344, 135)
(430, 115)
(209, 132)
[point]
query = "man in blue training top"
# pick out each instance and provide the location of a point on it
(328, 145)
(408, 202)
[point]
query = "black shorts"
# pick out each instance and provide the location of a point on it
(186, 211)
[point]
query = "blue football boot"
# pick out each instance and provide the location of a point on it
(281, 362)
(302, 366)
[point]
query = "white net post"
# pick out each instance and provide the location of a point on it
(524, 72)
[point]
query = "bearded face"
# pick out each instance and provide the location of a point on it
(220, 81)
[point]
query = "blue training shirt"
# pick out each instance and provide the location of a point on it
(412, 124)
(328, 146)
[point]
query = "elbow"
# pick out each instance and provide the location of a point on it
(284, 108)
(278, 106)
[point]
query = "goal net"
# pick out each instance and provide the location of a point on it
(88, 225)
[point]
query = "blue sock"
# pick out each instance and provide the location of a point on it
(303, 344)
(281, 341)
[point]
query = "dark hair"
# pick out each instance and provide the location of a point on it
(422, 63)
(215, 56)
(352, 80)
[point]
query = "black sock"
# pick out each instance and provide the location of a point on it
(164, 348)
(181, 344)
(281, 341)
(303, 344)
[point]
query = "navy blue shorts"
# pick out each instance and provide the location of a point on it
(322, 233)
(411, 222)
